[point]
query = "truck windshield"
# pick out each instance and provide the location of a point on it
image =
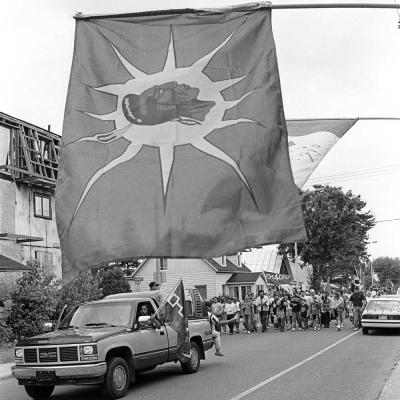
(99, 315)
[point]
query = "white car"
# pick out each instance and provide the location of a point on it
(381, 312)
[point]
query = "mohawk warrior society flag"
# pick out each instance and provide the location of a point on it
(174, 139)
(309, 142)
(173, 312)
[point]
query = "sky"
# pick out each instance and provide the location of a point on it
(333, 63)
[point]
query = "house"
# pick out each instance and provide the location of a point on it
(28, 172)
(211, 276)
(277, 267)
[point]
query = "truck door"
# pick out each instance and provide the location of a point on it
(150, 344)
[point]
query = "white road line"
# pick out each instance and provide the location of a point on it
(299, 364)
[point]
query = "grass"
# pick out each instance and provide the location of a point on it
(6, 353)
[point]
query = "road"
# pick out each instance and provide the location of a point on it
(324, 365)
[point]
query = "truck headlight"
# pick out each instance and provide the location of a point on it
(87, 350)
(19, 353)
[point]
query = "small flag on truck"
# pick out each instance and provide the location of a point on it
(173, 313)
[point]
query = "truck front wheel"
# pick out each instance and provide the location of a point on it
(193, 363)
(117, 378)
(39, 392)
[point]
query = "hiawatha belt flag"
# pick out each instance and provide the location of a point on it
(174, 141)
(309, 142)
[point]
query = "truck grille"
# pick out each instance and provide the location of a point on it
(30, 355)
(69, 353)
(48, 355)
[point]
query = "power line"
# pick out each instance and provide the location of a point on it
(352, 178)
(388, 220)
(334, 5)
(361, 171)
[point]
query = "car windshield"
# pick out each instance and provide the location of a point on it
(384, 305)
(99, 315)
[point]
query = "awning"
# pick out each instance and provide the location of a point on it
(20, 238)
(9, 265)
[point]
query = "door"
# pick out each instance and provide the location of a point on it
(149, 343)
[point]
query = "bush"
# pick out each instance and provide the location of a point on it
(5, 329)
(34, 302)
(112, 281)
(83, 288)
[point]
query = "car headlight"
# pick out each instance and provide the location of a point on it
(19, 353)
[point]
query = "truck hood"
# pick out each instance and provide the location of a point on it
(71, 336)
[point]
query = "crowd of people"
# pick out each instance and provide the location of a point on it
(296, 311)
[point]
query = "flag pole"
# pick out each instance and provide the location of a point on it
(334, 5)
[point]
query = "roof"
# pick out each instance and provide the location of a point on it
(9, 265)
(230, 266)
(245, 277)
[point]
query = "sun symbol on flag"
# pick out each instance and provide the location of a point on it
(164, 110)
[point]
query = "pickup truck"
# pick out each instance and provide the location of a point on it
(106, 343)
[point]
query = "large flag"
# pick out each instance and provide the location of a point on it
(173, 312)
(309, 142)
(174, 139)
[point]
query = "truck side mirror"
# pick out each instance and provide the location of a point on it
(48, 326)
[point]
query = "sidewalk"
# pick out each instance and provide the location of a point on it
(391, 390)
(5, 371)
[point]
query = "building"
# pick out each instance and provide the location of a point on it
(211, 276)
(28, 172)
(268, 260)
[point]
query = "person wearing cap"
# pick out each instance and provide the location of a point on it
(154, 285)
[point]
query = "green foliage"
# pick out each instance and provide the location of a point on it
(85, 287)
(388, 270)
(5, 329)
(112, 281)
(337, 229)
(34, 302)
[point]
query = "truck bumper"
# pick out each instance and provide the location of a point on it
(62, 373)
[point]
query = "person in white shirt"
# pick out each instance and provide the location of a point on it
(215, 324)
(262, 303)
(230, 309)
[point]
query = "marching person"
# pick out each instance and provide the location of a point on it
(358, 302)
(215, 324)
(247, 311)
(262, 303)
(338, 309)
(230, 309)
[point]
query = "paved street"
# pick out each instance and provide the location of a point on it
(355, 368)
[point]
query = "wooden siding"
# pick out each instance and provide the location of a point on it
(194, 272)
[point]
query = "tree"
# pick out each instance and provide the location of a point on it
(34, 301)
(113, 280)
(337, 230)
(388, 270)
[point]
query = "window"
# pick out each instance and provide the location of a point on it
(260, 287)
(234, 291)
(42, 206)
(244, 290)
(44, 257)
(4, 144)
(202, 290)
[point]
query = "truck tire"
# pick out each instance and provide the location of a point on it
(39, 392)
(192, 365)
(117, 378)
(365, 331)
